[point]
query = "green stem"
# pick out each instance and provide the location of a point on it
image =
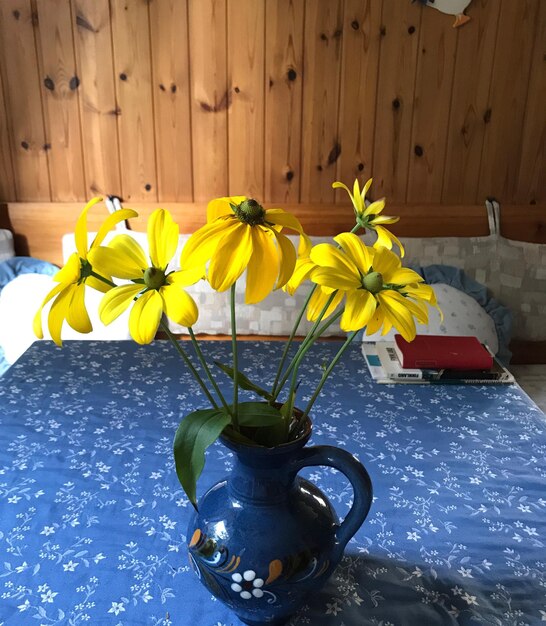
(235, 360)
(103, 279)
(306, 349)
(205, 366)
(303, 346)
(186, 358)
(276, 386)
(327, 373)
(291, 339)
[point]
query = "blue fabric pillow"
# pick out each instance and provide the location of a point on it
(17, 265)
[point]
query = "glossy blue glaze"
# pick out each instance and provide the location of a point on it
(265, 538)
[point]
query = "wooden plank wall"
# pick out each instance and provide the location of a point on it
(184, 100)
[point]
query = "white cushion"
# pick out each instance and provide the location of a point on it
(21, 298)
(462, 316)
(6, 244)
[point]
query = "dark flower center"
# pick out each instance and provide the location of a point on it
(373, 282)
(249, 211)
(154, 278)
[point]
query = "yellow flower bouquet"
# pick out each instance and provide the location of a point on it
(361, 286)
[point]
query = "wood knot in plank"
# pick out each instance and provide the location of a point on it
(84, 23)
(49, 84)
(418, 151)
(334, 153)
(74, 83)
(223, 105)
(487, 116)
(16, 14)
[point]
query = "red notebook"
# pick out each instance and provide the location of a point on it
(443, 352)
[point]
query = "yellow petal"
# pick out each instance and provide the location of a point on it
(37, 321)
(418, 309)
(366, 188)
(338, 185)
(404, 276)
(386, 238)
(383, 219)
(422, 291)
(361, 255)
(221, 206)
(80, 231)
(99, 285)
(123, 257)
(263, 267)
(375, 207)
(163, 234)
(385, 262)
(287, 259)
(397, 313)
(318, 301)
(178, 305)
(387, 325)
(186, 277)
(110, 222)
(201, 245)
(230, 257)
(358, 201)
(376, 321)
(335, 279)
(359, 309)
(116, 301)
(302, 271)
(305, 245)
(145, 317)
(282, 218)
(326, 255)
(77, 315)
(70, 273)
(58, 312)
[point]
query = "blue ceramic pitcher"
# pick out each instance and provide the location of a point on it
(264, 538)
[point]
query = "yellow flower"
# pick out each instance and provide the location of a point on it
(155, 291)
(303, 270)
(379, 291)
(69, 294)
(368, 216)
(240, 235)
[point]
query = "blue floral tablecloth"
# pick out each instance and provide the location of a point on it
(93, 520)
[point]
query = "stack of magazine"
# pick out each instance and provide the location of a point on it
(384, 360)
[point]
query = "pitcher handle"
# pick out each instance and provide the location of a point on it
(359, 478)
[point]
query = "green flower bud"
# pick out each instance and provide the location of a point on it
(154, 278)
(373, 282)
(250, 212)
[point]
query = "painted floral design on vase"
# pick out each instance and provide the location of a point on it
(264, 538)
